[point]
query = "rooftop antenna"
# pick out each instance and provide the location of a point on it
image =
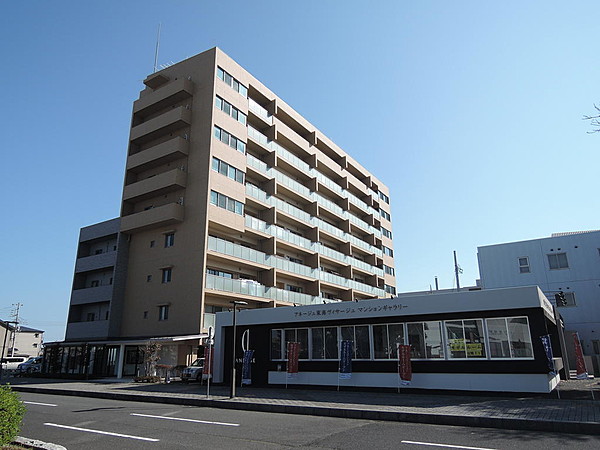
(157, 45)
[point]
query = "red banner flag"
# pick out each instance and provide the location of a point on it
(293, 351)
(404, 364)
(209, 357)
(581, 369)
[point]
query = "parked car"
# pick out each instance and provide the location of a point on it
(193, 371)
(12, 362)
(32, 365)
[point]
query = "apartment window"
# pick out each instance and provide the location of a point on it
(425, 339)
(148, 278)
(293, 288)
(169, 239)
(95, 283)
(387, 233)
(389, 270)
(390, 289)
(384, 197)
(524, 264)
(230, 110)
(386, 339)
(222, 201)
(152, 244)
(35, 345)
(166, 275)
(90, 317)
(163, 312)
(385, 215)
(229, 139)
(219, 273)
(596, 347)
(229, 171)
(387, 251)
(145, 314)
(232, 82)
(558, 261)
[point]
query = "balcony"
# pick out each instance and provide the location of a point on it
(158, 155)
(152, 218)
(166, 123)
(95, 262)
(260, 112)
(167, 95)
(157, 185)
(254, 289)
(92, 295)
(84, 330)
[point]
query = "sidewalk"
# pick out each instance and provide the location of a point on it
(575, 412)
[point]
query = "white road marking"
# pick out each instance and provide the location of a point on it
(187, 420)
(41, 404)
(431, 444)
(88, 430)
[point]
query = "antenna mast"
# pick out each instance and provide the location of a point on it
(157, 45)
(457, 271)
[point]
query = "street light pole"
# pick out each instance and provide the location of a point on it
(232, 390)
(7, 325)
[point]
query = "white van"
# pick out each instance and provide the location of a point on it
(12, 362)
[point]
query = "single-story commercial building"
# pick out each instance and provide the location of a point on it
(487, 340)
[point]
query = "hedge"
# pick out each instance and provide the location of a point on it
(11, 414)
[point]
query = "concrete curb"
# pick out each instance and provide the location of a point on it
(33, 443)
(342, 412)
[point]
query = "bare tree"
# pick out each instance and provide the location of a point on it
(594, 120)
(151, 357)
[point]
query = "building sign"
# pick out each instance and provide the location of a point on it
(345, 360)
(293, 351)
(247, 367)
(336, 311)
(404, 364)
(473, 349)
(581, 369)
(548, 350)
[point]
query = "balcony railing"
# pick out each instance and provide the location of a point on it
(238, 251)
(260, 111)
(259, 194)
(254, 289)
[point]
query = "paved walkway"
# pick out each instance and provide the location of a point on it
(574, 412)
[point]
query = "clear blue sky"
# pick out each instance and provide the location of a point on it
(470, 111)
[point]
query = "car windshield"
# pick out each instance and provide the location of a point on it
(198, 363)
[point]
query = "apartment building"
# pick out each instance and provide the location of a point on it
(229, 194)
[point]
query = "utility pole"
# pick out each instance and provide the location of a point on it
(16, 328)
(457, 270)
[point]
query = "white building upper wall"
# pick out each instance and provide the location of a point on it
(499, 264)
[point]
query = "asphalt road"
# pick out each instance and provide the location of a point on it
(86, 423)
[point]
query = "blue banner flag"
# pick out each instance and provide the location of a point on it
(346, 360)
(246, 367)
(548, 350)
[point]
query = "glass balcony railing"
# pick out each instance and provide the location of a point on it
(293, 159)
(238, 251)
(259, 165)
(292, 184)
(292, 238)
(260, 111)
(334, 254)
(330, 205)
(255, 289)
(245, 287)
(329, 183)
(257, 136)
(256, 224)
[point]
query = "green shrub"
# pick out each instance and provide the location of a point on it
(11, 414)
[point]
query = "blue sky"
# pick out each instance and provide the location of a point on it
(471, 112)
